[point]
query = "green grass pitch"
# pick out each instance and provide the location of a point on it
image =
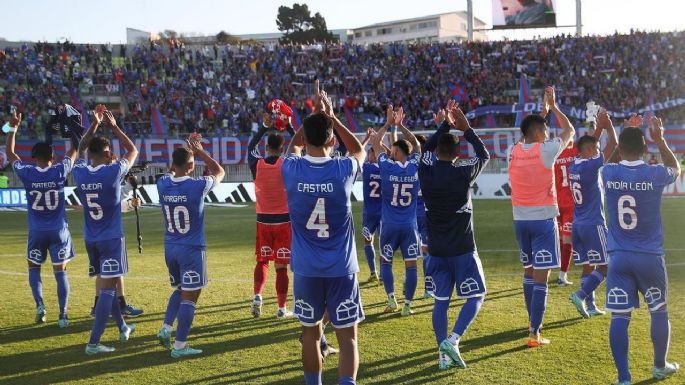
(241, 350)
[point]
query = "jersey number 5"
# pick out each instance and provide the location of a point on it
(317, 219)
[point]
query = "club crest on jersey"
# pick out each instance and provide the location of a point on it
(35, 255)
(617, 296)
(172, 280)
(283, 253)
(428, 283)
(525, 259)
(366, 233)
(190, 277)
(347, 310)
(266, 251)
(413, 249)
(303, 310)
(653, 295)
(576, 256)
(469, 286)
(387, 252)
(110, 266)
(62, 254)
(594, 256)
(543, 256)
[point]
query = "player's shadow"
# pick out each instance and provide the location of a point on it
(253, 375)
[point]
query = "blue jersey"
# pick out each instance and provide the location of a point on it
(372, 188)
(420, 205)
(319, 192)
(399, 188)
(44, 193)
(183, 208)
(99, 190)
(633, 198)
(586, 188)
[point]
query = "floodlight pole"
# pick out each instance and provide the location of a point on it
(579, 21)
(469, 17)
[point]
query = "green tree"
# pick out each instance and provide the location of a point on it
(299, 26)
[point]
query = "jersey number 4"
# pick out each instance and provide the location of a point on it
(317, 219)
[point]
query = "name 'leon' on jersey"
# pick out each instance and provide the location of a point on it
(318, 192)
(183, 208)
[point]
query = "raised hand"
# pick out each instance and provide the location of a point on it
(439, 117)
(389, 115)
(194, 143)
(603, 119)
(657, 130)
(98, 116)
(550, 97)
(316, 97)
(15, 120)
(109, 118)
(459, 119)
(399, 117)
(326, 104)
(635, 120)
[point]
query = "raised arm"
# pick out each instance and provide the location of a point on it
(215, 169)
(296, 144)
(444, 123)
(667, 156)
(131, 150)
(377, 141)
(14, 122)
(568, 132)
(391, 124)
(92, 130)
(408, 135)
(604, 123)
(462, 124)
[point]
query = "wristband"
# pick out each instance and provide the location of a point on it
(393, 130)
(6, 128)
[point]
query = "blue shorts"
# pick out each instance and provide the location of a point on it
(630, 274)
(589, 244)
(464, 272)
(107, 258)
(404, 237)
(422, 225)
(339, 295)
(57, 242)
(370, 224)
(187, 266)
(539, 243)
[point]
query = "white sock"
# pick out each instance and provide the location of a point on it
(454, 338)
(168, 328)
(407, 302)
(562, 275)
(391, 296)
(258, 298)
(283, 309)
(178, 345)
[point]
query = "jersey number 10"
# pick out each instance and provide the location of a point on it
(177, 224)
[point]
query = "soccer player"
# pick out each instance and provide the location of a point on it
(98, 187)
(323, 259)
(589, 229)
(535, 208)
(565, 203)
(371, 221)
(273, 221)
(635, 245)
(182, 199)
(48, 227)
(399, 186)
(446, 183)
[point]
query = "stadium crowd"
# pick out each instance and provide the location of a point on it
(223, 89)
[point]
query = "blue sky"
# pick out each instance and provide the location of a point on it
(98, 21)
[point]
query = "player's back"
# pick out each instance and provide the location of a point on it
(99, 190)
(586, 189)
(399, 188)
(372, 188)
(318, 192)
(183, 208)
(44, 193)
(633, 198)
(561, 176)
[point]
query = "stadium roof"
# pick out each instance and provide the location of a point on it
(475, 19)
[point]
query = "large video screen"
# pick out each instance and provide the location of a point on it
(523, 14)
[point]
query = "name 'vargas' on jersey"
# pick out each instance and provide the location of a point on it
(183, 208)
(633, 198)
(399, 188)
(319, 192)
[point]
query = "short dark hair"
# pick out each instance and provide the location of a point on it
(531, 122)
(421, 139)
(42, 151)
(181, 156)
(274, 142)
(586, 140)
(404, 145)
(632, 141)
(97, 145)
(318, 129)
(448, 145)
